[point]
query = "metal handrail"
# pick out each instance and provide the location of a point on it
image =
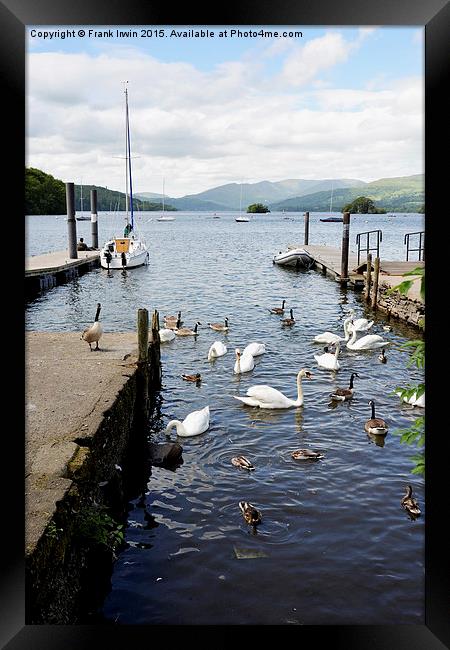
(420, 250)
(367, 248)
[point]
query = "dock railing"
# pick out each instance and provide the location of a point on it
(420, 249)
(367, 248)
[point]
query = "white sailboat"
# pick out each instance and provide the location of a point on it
(330, 218)
(241, 217)
(82, 216)
(130, 250)
(165, 217)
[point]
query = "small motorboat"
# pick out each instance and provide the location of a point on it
(296, 257)
(334, 219)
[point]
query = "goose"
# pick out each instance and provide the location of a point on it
(173, 324)
(93, 333)
(409, 503)
(185, 331)
(173, 319)
(193, 424)
(360, 324)
(166, 334)
(217, 349)
(197, 377)
(255, 349)
(342, 394)
(329, 337)
(306, 454)
(267, 397)
(242, 461)
(368, 342)
(219, 327)
(375, 425)
(328, 360)
(382, 357)
(251, 515)
(289, 321)
(413, 400)
(244, 362)
(278, 310)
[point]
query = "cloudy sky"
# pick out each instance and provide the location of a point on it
(205, 111)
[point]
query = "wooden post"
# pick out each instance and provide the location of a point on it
(345, 244)
(94, 217)
(71, 223)
(143, 335)
(376, 272)
(306, 242)
(142, 364)
(368, 277)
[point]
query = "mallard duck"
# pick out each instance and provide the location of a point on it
(289, 321)
(166, 334)
(196, 378)
(219, 327)
(409, 503)
(173, 319)
(251, 515)
(255, 349)
(382, 357)
(193, 424)
(244, 363)
(377, 426)
(306, 454)
(342, 394)
(185, 331)
(278, 310)
(242, 461)
(329, 360)
(93, 333)
(267, 397)
(217, 349)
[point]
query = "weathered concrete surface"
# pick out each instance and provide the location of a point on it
(58, 261)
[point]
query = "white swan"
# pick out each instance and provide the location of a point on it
(329, 337)
(368, 342)
(360, 324)
(166, 334)
(413, 400)
(328, 360)
(267, 397)
(193, 424)
(255, 349)
(244, 362)
(217, 349)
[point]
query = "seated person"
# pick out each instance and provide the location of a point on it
(82, 246)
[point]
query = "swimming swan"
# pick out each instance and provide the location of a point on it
(413, 400)
(368, 342)
(193, 424)
(360, 324)
(328, 360)
(255, 349)
(217, 349)
(267, 397)
(244, 362)
(166, 334)
(329, 337)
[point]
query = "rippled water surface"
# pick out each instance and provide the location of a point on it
(337, 547)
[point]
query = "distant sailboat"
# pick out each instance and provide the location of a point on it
(330, 218)
(165, 217)
(82, 216)
(241, 217)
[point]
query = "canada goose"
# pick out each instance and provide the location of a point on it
(278, 310)
(166, 334)
(289, 321)
(306, 454)
(185, 331)
(244, 363)
(93, 333)
(329, 360)
(266, 397)
(360, 324)
(193, 424)
(342, 394)
(368, 342)
(242, 461)
(217, 349)
(329, 337)
(219, 327)
(173, 319)
(382, 357)
(409, 503)
(173, 324)
(251, 515)
(255, 349)
(375, 425)
(197, 377)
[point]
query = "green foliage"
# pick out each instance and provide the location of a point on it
(258, 207)
(43, 193)
(363, 205)
(95, 525)
(53, 531)
(406, 285)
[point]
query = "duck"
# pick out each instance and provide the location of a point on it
(413, 399)
(193, 424)
(255, 349)
(329, 337)
(185, 331)
(306, 454)
(289, 321)
(196, 378)
(173, 319)
(219, 327)
(360, 324)
(251, 515)
(244, 362)
(266, 397)
(382, 357)
(409, 503)
(329, 360)
(242, 461)
(217, 349)
(278, 310)
(166, 334)
(342, 394)
(368, 342)
(93, 333)
(375, 425)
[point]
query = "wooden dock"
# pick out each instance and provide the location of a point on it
(46, 271)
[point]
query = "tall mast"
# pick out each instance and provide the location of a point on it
(129, 160)
(163, 194)
(126, 153)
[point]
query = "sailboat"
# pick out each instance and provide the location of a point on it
(82, 216)
(165, 217)
(330, 218)
(130, 250)
(241, 216)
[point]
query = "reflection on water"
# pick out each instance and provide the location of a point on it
(334, 545)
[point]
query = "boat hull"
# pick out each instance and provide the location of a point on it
(136, 255)
(296, 257)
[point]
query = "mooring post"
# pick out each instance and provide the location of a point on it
(306, 242)
(156, 373)
(94, 219)
(142, 327)
(368, 277)
(376, 273)
(345, 244)
(71, 223)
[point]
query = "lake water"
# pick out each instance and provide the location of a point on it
(337, 546)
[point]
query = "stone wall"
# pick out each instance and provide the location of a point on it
(399, 306)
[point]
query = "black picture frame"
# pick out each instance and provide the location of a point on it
(15, 15)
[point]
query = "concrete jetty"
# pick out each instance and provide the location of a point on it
(46, 271)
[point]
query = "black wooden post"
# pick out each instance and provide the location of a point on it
(71, 222)
(94, 219)
(306, 242)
